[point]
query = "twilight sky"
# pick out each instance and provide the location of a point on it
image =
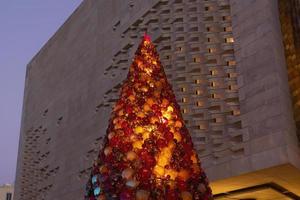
(25, 26)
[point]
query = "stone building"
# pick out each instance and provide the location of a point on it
(6, 192)
(234, 66)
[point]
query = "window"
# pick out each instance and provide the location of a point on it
(217, 120)
(227, 29)
(196, 60)
(211, 50)
(198, 92)
(213, 72)
(184, 100)
(202, 127)
(229, 40)
(235, 112)
(200, 103)
(8, 196)
(224, 18)
(183, 89)
(197, 81)
(179, 48)
(231, 62)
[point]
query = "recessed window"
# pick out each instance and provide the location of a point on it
(218, 120)
(196, 60)
(197, 81)
(184, 100)
(213, 84)
(199, 103)
(236, 112)
(231, 63)
(178, 20)
(179, 49)
(211, 50)
(201, 127)
(213, 72)
(224, 18)
(184, 110)
(208, 29)
(206, 8)
(198, 92)
(227, 29)
(229, 40)
(183, 89)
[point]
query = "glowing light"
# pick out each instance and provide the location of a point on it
(147, 142)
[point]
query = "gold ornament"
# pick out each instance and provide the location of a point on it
(131, 155)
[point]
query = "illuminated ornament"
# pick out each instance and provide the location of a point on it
(183, 174)
(138, 144)
(150, 101)
(131, 98)
(159, 171)
(97, 191)
(110, 135)
(178, 124)
(147, 152)
(132, 183)
(107, 151)
(131, 155)
(127, 173)
(186, 196)
(94, 179)
(138, 130)
(147, 107)
(141, 114)
(171, 173)
(142, 195)
(177, 136)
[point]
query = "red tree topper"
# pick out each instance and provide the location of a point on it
(148, 152)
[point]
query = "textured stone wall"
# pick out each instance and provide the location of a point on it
(224, 59)
(266, 110)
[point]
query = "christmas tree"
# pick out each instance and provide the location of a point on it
(148, 152)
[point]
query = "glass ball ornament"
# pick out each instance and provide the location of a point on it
(127, 173)
(142, 195)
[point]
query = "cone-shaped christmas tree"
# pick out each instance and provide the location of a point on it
(148, 152)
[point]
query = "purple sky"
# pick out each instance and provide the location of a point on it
(25, 26)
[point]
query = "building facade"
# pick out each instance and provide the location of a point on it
(6, 192)
(234, 66)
